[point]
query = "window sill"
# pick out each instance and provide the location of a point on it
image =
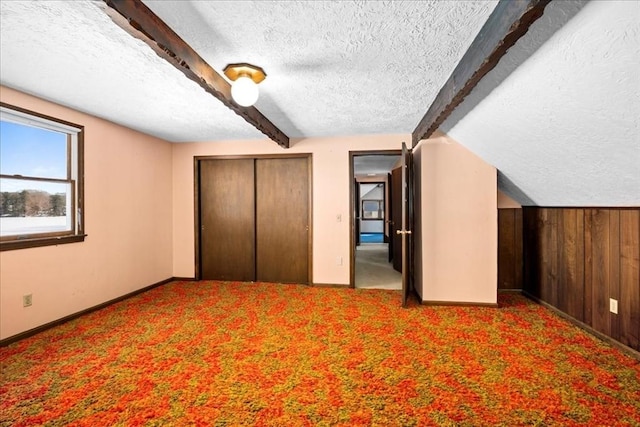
(35, 243)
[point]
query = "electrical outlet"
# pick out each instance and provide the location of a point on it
(339, 260)
(27, 300)
(613, 305)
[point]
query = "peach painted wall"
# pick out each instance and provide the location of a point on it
(128, 223)
(330, 163)
(456, 224)
(506, 202)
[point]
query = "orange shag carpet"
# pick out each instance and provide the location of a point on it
(228, 353)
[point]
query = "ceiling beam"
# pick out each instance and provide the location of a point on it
(138, 20)
(509, 21)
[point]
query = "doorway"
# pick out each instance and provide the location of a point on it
(371, 219)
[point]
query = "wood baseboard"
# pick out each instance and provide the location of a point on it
(460, 304)
(329, 285)
(26, 334)
(617, 344)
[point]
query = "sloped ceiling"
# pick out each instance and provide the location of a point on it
(559, 117)
(334, 67)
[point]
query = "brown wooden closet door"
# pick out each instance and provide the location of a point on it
(282, 220)
(227, 219)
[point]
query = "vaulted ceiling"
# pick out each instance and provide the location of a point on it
(560, 110)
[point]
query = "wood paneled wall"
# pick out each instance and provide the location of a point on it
(510, 265)
(576, 259)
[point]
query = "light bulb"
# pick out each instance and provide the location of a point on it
(244, 91)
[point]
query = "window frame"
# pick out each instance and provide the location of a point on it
(76, 181)
(380, 210)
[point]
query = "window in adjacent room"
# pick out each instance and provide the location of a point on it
(41, 188)
(373, 209)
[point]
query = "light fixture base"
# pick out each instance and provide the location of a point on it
(233, 71)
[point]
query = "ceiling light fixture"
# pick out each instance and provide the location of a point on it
(245, 78)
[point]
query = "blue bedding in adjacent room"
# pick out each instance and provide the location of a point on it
(371, 238)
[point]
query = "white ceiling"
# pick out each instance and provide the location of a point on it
(559, 116)
(70, 52)
(333, 67)
(377, 164)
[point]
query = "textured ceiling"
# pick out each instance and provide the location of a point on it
(70, 52)
(378, 164)
(560, 114)
(334, 68)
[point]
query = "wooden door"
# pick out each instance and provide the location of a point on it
(282, 220)
(227, 220)
(396, 218)
(389, 219)
(358, 211)
(407, 223)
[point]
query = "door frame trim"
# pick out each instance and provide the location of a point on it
(352, 216)
(196, 198)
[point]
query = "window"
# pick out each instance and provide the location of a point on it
(373, 209)
(41, 188)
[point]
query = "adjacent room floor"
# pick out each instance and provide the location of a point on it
(373, 270)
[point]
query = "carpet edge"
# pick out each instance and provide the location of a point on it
(31, 332)
(607, 339)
